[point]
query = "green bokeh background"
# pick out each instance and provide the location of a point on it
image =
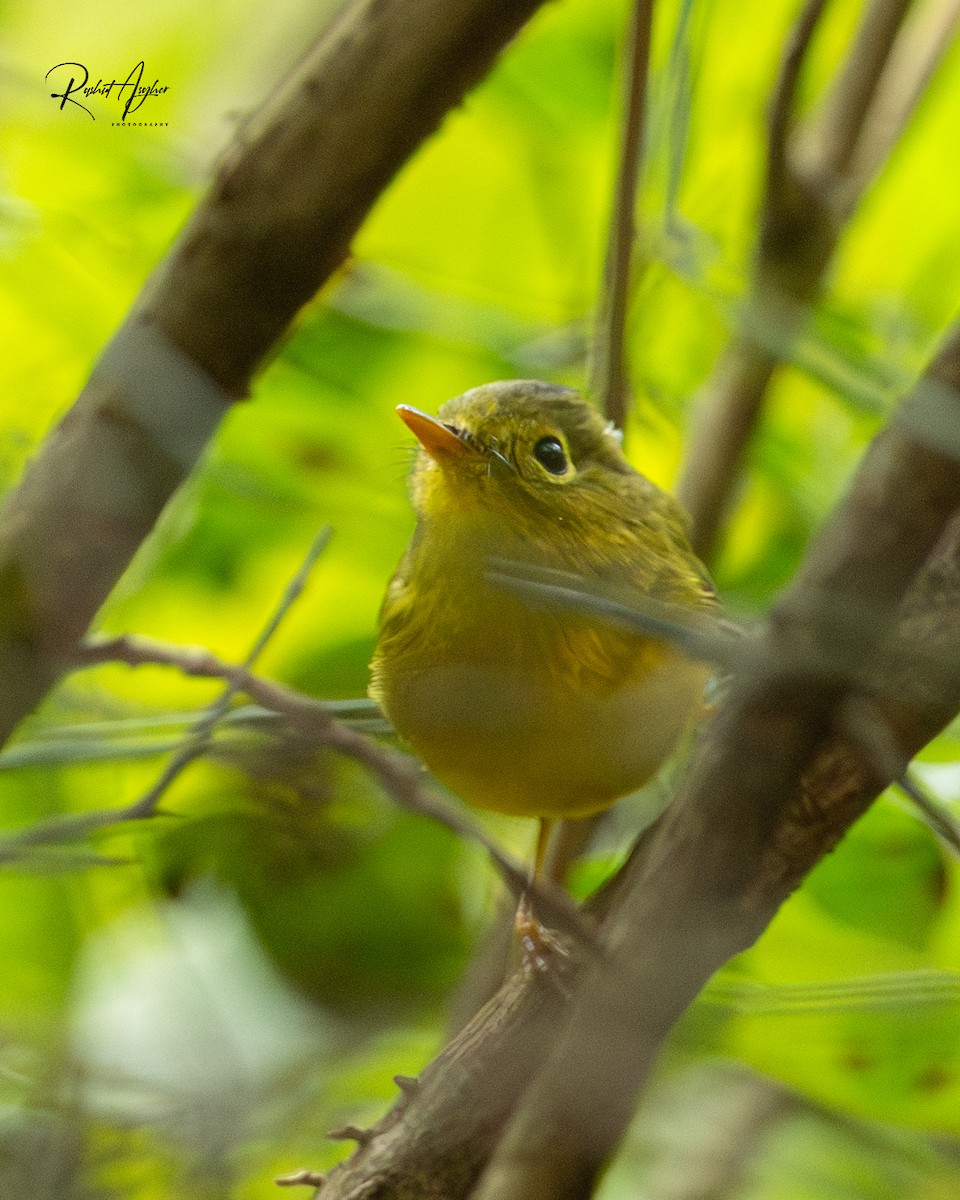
(187, 1020)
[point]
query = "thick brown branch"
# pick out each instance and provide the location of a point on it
(304, 173)
(277, 222)
(745, 829)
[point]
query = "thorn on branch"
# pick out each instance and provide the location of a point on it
(351, 1133)
(303, 1178)
(407, 1084)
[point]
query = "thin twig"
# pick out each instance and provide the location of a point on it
(707, 639)
(94, 741)
(731, 403)
(782, 116)
(401, 776)
(302, 1178)
(864, 721)
(609, 384)
(57, 861)
(940, 820)
(198, 740)
(79, 825)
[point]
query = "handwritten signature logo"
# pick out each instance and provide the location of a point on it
(132, 92)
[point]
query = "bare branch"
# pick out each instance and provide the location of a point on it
(812, 185)
(783, 100)
(910, 68)
(199, 739)
(842, 117)
(938, 818)
(608, 384)
(866, 726)
(302, 1178)
(728, 409)
(17, 847)
(433, 1144)
(277, 222)
(730, 405)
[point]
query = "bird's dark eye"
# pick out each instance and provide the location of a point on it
(550, 454)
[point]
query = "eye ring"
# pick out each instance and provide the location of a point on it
(550, 454)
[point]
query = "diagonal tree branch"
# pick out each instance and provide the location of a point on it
(911, 66)
(731, 402)
(277, 222)
(744, 830)
(843, 115)
(815, 176)
(775, 785)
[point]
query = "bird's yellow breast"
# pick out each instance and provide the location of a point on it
(517, 708)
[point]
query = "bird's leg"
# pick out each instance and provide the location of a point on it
(546, 827)
(566, 844)
(534, 941)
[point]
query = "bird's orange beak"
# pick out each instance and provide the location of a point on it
(439, 440)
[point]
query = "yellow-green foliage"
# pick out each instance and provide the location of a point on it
(187, 1020)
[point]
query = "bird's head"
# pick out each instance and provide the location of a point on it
(523, 449)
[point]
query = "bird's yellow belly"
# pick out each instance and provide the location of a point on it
(514, 740)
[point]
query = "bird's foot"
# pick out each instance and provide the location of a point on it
(536, 945)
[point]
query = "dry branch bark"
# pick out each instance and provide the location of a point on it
(275, 225)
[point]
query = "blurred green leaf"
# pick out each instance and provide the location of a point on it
(481, 261)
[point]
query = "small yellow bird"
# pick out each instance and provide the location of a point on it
(518, 707)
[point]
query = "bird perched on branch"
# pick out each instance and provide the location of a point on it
(516, 705)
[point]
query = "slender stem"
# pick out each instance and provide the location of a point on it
(608, 381)
(911, 66)
(785, 90)
(845, 111)
(79, 825)
(198, 740)
(729, 410)
(810, 188)
(400, 776)
(864, 721)
(732, 401)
